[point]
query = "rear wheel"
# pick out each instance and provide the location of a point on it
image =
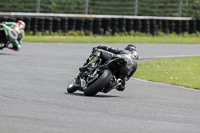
(98, 85)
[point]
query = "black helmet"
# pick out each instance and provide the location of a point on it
(132, 50)
(130, 47)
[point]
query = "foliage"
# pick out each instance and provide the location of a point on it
(159, 33)
(190, 8)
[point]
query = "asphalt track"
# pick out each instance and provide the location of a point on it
(33, 99)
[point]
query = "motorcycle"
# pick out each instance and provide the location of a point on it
(97, 75)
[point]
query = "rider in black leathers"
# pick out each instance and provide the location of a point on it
(129, 54)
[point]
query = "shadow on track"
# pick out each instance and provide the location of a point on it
(5, 54)
(98, 95)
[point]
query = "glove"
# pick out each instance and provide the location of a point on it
(103, 47)
(94, 49)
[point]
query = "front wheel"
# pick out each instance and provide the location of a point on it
(72, 88)
(98, 85)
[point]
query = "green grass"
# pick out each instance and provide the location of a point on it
(176, 71)
(115, 39)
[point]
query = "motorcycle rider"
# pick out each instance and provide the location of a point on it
(129, 54)
(11, 35)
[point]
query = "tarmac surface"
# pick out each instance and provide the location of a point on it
(33, 96)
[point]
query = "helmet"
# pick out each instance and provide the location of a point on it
(130, 47)
(132, 50)
(21, 23)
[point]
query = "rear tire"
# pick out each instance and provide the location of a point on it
(98, 85)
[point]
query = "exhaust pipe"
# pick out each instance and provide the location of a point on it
(114, 85)
(117, 83)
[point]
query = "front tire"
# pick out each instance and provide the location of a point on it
(98, 85)
(72, 88)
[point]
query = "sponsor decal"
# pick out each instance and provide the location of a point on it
(13, 33)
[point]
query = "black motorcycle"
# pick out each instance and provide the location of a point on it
(97, 75)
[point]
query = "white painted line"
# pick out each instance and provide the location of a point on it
(165, 84)
(177, 56)
(170, 56)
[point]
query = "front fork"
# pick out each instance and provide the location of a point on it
(83, 83)
(89, 79)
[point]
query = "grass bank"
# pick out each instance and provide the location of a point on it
(114, 39)
(176, 71)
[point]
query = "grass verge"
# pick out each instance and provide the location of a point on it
(176, 71)
(115, 39)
